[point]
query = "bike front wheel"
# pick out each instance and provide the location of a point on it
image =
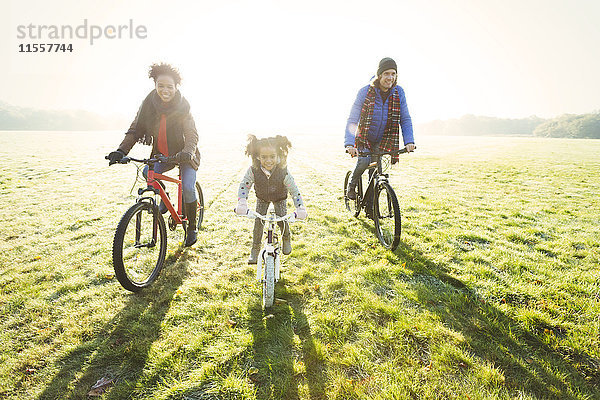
(387, 216)
(269, 281)
(139, 246)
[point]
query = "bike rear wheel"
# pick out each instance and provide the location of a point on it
(387, 216)
(269, 281)
(139, 246)
(353, 205)
(200, 205)
(184, 225)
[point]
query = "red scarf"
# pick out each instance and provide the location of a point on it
(391, 133)
(161, 145)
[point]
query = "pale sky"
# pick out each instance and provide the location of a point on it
(291, 66)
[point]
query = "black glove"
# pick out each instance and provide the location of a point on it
(183, 157)
(115, 156)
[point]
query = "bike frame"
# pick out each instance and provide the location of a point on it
(152, 180)
(376, 175)
(270, 247)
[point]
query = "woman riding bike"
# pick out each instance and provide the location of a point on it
(164, 121)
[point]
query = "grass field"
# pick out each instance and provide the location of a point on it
(494, 292)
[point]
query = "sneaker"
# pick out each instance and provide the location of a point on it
(351, 193)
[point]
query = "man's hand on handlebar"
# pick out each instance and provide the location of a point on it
(410, 147)
(353, 151)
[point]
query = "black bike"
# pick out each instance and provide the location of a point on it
(378, 200)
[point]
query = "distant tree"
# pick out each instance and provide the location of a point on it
(571, 126)
(470, 125)
(22, 118)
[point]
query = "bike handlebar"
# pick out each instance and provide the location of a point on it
(291, 217)
(383, 153)
(148, 161)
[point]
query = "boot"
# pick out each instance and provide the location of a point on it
(191, 211)
(286, 248)
(254, 253)
(286, 237)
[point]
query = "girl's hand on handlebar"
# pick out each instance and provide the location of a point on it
(242, 207)
(301, 213)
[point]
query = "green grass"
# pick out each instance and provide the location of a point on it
(492, 294)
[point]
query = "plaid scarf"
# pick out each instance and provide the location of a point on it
(391, 134)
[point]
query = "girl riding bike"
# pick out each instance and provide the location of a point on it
(272, 182)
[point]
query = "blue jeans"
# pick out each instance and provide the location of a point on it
(361, 165)
(188, 179)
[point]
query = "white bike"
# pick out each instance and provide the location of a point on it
(269, 254)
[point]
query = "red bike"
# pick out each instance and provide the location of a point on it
(140, 243)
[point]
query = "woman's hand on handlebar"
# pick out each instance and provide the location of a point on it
(115, 156)
(410, 147)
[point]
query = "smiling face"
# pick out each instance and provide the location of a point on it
(387, 79)
(267, 157)
(165, 87)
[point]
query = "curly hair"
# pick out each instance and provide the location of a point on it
(164, 69)
(281, 144)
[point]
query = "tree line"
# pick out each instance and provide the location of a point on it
(571, 126)
(14, 118)
(566, 126)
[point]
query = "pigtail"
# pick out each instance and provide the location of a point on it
(252, 149)
(282, 145)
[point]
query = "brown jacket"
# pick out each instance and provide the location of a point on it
(181, 129)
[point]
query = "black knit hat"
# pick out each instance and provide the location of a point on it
(385, 64)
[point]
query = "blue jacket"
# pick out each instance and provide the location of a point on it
(380, 116)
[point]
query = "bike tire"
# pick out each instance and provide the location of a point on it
(352, 205)
(200, 196)
(387, 216)
(136, 267)
(269, 281)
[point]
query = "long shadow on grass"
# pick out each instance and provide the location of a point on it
(121, 347)
(274, 351)
(528, 364)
